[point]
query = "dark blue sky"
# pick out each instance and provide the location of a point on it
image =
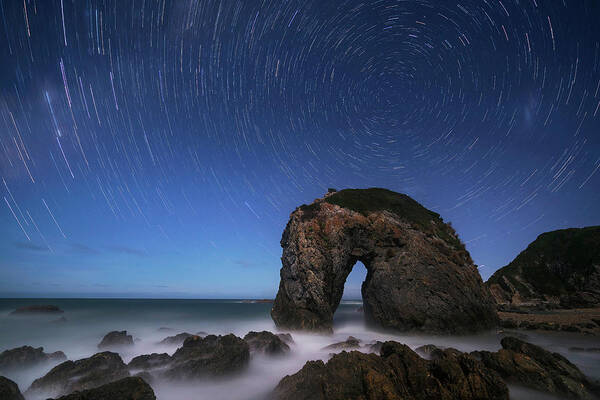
(156, 148)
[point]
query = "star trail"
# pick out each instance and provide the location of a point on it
(157, 147)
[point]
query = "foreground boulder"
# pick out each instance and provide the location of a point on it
(116, 339)
(559, 269)
(37, 309)
(398, 373)
(133, 388)
(267, 343)
(87, 373)
(9, 390)
(530, 365)
(419, 274)
(209, 356)
(27, 356)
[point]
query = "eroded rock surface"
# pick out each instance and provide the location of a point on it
(149, 361)
(27, 356)
(209, 356)
(132, 388)
(267, 343)
(398, 373)
(87, 373)
(419, 274)
(9, 390)
(559, 269)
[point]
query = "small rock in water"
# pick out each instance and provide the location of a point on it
(176, 340)
(38, 309)
(267, 343)
(9, 390)
(87, 373)
(350, 343)
(132, 388)
(116, 339)
(27, 356)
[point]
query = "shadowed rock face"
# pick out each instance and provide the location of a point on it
(560, 269)
(133, 388)
(419, 275)
(9, 390)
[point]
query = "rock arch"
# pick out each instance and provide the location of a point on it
(419, 274)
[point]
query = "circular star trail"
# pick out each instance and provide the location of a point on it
(158, 146)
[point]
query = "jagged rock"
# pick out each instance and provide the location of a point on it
(532, 366)
(149, 361)
(9, 390)
(419, 274)
(266, 342)
(37, 309)
(428, 351)
(27, 356)
(132, 388)
(375, 347)
(209, 356)
(399, 373)
(350, 343)
(176, 340)
(87, 373)
(559, 269)
(116, 339)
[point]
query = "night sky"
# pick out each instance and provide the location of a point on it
(157, 148)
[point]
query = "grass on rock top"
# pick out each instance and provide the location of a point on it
(366, 201)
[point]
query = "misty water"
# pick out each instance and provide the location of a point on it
(150, 321)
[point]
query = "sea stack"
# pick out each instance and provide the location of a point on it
(420, 277)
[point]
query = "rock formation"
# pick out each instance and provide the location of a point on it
(209, 356)
(116, 339)
(9, 390)
(559, 269)
(176, 340)
(399, 373)
(419, 274)
(37, 309)
(87, 373)
(27, 356)
(149, 361)
(530, 365)
(267, 343)
(133, 388)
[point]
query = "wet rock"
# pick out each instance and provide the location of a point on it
(37, 309)
(87, 373)
(149, 361)
(286, 337)
(419, 275)
(27, 356)
(531, 366)
(398, 373)
(267, 343)
(132, 388)
(176, 340)
(209, 356)
(9, 390)
(116, 339)
(350, 343)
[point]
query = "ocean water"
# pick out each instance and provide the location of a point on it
(150, 321)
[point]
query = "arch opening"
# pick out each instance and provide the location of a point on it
(351, 309)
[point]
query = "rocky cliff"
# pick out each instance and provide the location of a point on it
(559, 269)
(419, 274)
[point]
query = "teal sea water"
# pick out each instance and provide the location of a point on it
(150, 321)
